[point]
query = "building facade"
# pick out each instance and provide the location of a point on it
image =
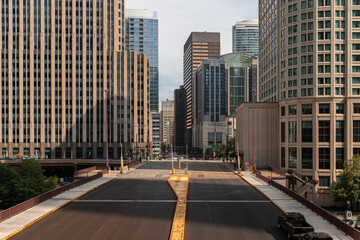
(240, 79)
(198, 47)
(142, 35)
(167, 122)
(318, 86)
(211, 93)
(246, 37)
(67, 79)
(156, 134)
(180, 118)
(268, 51)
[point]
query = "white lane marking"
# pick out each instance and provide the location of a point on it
(125, 201)
(171, 201)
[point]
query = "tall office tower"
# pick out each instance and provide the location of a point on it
(241, 79)
(62, 66)
(268, 51)
(167, 122)
(141, 35)
(180, 118)
(156, 134)
(246, 37)
(198, 47)
(318, 85)
(211, 89)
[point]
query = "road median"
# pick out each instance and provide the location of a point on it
(179, 182)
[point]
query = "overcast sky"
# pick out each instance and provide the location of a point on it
(178, 18)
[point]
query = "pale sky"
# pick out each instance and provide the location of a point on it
(178, 18)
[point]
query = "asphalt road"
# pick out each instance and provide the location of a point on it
(140, 205)
(222, 206)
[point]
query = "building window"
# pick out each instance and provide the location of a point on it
(324, 131)
(282, 157)
(292, 110)
(307, 131)
(339, 131)
(99, 153)
(292, 132)
(307, 158)
(68, 153)
(283, 111)
(356, 131)
(356, 151)
(79, 153)
(283, 132)
(340, 158)
(324, 181)
(307, 109)
(356, 107)
(324, 158)
(58, 153)
(292, 158)
(324, 108)
(340, 108)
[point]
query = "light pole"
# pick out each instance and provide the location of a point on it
(106, 135)
(122, 160)
(253, 101)
(172, 160)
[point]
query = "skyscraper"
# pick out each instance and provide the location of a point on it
(313, 62)
(211, 87)
(141, 35)
(167, 122)
(246, 37)
(180, 117)
(198, 47)
(62, 79)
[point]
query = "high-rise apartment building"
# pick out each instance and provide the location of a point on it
(211, 88)
(156, 134)
(268, 51)
(167, 122)
(198, 47)
(246, 37)
(316, 48)
(142, 35)
(180, 118)
(64, 72)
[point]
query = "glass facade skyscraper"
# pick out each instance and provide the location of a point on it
(246, 37)
(142, 35)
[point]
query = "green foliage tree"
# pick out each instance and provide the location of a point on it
(348, 186)
(220, 150)
(231, 147)
(209, 152)
(18, 184)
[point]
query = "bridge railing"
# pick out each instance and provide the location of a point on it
(352, 232)
(21, 207)
(85, 170)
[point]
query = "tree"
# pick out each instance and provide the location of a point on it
(220, 150)
(18, 184)
(231, 147)
(209, 152)
(348, 186)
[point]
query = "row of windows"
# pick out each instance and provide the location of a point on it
(324, 108)
(324, 131)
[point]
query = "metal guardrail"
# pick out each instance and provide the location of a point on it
(85, 170)
(278, 171)
(352, 232)
(21, 207)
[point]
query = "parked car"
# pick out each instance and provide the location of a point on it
(294, 223)
(312, 236)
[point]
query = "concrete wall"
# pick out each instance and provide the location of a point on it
(266, 133)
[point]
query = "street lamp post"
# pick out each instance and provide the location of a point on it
(106, 129)
(253, 101)
(122, 160)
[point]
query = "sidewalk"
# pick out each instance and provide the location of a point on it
(288, 204)
(22, 220)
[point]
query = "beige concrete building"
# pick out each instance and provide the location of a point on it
(63, 65)
(167, 121)
(257, 133)
(311, 51)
